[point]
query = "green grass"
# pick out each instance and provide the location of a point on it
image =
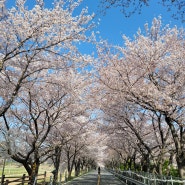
(15, 169)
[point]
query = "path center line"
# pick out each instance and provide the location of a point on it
(98, 180)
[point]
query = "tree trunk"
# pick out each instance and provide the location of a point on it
(179, 146)
(69, 174)
(134, 161)
(34, 173)
(160, 168)
(130, 163)
(160, 161)
(68, 165)
(32, 169)
(71, 167)
(181, 165)
(145, 163)
(56, 161)
(77, 167)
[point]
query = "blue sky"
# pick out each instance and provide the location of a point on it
(113, 25)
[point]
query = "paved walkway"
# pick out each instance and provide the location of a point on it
(91, 178)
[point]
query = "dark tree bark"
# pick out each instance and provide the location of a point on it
(77, 167)
(56, 162)
(179, 145)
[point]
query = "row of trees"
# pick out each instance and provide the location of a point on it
(43, 113)
(142, 97)
(47, 99)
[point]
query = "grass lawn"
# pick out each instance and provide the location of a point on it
(16, 169)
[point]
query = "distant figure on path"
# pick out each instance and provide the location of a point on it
(98, 170)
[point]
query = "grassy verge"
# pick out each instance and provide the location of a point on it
(15, 169)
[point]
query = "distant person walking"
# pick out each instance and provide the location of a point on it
(98, 176)
(99, 170)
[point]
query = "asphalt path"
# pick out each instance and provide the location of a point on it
(92, 178)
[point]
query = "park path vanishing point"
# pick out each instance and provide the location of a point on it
(92, 178)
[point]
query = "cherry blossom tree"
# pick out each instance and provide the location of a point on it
(149, 71)
(78, 151)
(45, 109)
(40, 87)
(35, 113)
(133, 131)
(64, 135)
(36, 41)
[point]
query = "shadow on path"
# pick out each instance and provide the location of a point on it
(91, 178)
(109, 179)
